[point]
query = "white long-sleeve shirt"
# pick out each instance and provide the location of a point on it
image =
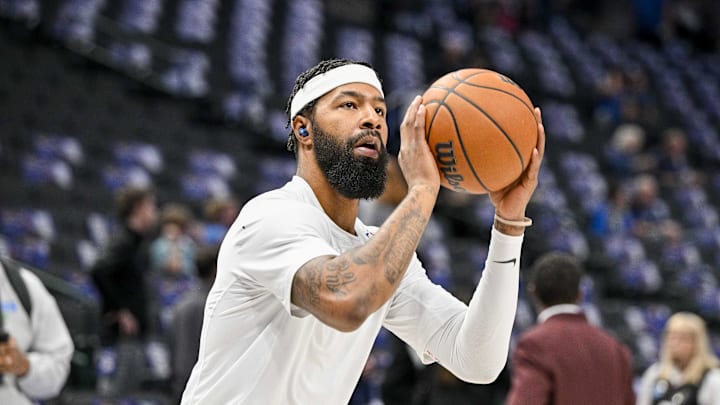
(42, 336)
(257, 347)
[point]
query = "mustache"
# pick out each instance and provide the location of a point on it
(364, 133)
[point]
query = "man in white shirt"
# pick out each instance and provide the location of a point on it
(303, 286)
(35, 359)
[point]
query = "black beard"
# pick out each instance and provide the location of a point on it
(353, 177)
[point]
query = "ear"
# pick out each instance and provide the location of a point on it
(300, 122)
(532, 294)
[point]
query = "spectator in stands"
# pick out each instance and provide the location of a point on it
(172, 261)
(624, 155)
(187, 318)
(688, 372)
(121, 269)
(612, 217)
(694, 22)
(677, 252)
(35, 348)
(172, 253)
(673, 162)
(649, 211)
(608, 108)
(640, 104)
(564, 360)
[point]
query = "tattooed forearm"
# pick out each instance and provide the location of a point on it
(397, 254)
(369, 255)
(394, 249)
(338, 276)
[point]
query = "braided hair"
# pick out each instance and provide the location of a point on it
(309, 109)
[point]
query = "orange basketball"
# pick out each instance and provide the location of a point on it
(481, 128)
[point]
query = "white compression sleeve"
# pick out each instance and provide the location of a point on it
(474, 345)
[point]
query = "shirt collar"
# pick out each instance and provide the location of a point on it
(309, 197)
(558, 309)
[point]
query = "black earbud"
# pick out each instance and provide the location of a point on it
(303, 132)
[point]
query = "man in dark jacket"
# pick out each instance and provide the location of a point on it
(119, 272)
(564, 360)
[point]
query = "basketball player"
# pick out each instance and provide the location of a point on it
(303, 286)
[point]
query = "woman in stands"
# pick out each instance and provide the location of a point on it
(688, 372)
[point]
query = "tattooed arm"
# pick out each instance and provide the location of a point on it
(343, 290)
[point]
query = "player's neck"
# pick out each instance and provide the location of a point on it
(341, 210)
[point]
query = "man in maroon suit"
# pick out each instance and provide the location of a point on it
(564, 360)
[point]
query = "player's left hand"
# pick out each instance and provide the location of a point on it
(510, 203)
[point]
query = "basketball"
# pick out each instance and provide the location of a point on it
(481, 128)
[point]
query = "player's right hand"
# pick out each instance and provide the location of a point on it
(415, 158)
(511, 202)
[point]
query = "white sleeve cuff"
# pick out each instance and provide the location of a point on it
(504, 249)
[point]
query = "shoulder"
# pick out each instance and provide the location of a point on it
(272, 215)
(710, 389)
(36, 289)
(605, 338)
(552, 326)
(296, 190)
(535, 343)
(119, 245)
(714, 375)
(268, 206)
(611, 339)
(31, 280)
(559, 325)
(288, 210)
(291, 201)
(535, 335)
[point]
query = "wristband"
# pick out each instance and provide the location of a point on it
(524, 223)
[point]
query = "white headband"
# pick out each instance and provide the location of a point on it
(324, 82)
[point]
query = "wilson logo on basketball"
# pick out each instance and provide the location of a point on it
(507, 80)
(445, 155)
